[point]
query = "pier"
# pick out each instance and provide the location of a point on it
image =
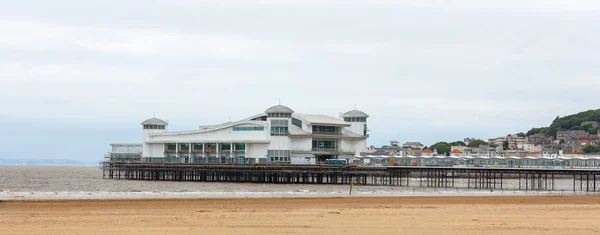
(586, 180)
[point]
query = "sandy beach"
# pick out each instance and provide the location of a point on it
(383, 215)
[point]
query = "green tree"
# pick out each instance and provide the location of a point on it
(457, 143)
(476, 143)
(590, 149)
(533, 131)
(441, 147)
(520, 134)
(505, 145)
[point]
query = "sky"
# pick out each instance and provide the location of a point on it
(76, 75)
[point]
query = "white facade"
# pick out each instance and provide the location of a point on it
(276, 136)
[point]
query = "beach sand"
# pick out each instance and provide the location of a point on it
(353, 215)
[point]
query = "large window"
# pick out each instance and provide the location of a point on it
(154, 127)
(226, 147)
(324, 145)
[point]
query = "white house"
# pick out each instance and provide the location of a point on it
(279, 135)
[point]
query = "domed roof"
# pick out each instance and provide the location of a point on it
(355, 114)
(154, 121)
(279, 109)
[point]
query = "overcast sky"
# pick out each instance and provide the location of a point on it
(77, 75)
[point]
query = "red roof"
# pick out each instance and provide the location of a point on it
(427, 151)
(456, 151)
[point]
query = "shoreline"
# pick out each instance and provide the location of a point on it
(417, 192)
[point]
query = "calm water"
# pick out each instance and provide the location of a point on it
(45, 182)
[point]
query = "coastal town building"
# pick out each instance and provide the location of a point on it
(277, 135)
(394, 149)
(413, 145)
(594, 124)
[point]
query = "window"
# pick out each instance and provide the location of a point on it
(225, 147)
(184, 146)
(171, 147)
(279, 131)
(240, 147)
(297, 122)
(197, 146)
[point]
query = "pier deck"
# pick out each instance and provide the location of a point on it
(587, 180)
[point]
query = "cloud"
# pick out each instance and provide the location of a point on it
(41, 36)
(424, 70)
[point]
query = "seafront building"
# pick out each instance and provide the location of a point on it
(277, 135)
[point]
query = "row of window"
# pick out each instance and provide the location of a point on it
(154, 127)
(173, 147)
(280, 115)
(354, 119)
(279, 153)
(279, 159)
(248, 128)
(279, 122)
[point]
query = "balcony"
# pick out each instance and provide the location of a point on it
(196, 150)
(183, 151)
(210, 150)
(170, 151)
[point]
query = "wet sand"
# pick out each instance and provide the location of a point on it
(360, 215)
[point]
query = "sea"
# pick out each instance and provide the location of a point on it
(75, 182)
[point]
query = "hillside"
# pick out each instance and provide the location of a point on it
(571, 122)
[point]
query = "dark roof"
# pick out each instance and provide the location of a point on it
(279, 109)
(154, 121)
(355, 113)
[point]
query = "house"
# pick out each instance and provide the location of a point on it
(514, 141)
(594, 124)
(539, 139)
(427, 153)
(413, 145)
(532, 148)
(456, 153)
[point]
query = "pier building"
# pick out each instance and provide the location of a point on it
(278, 135)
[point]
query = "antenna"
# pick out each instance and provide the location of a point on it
(229, 118)
(279, 101)
(154, 114)
(354, 106)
